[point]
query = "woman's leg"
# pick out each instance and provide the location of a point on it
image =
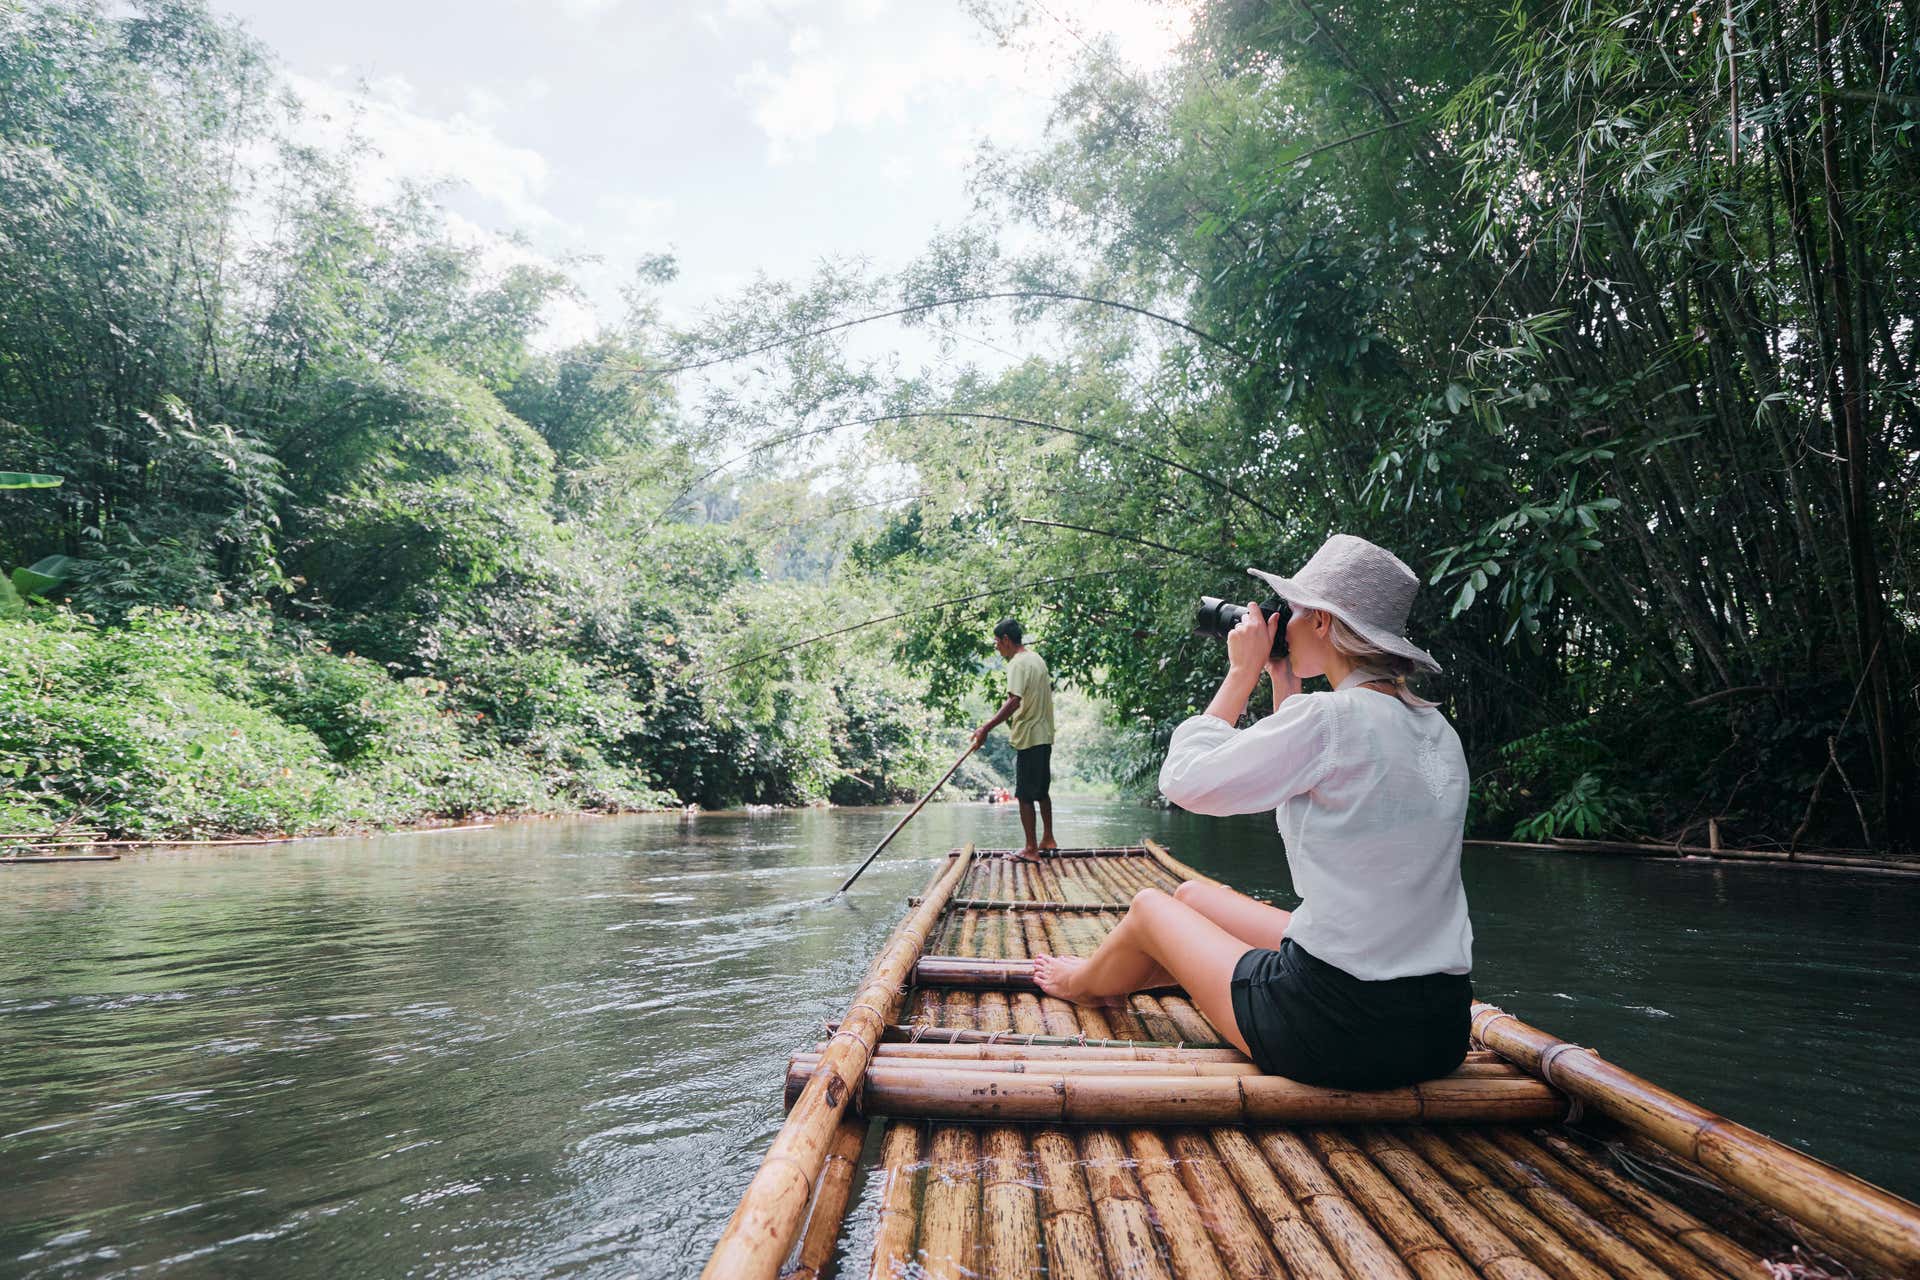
(1158, 935)
(1248, 919)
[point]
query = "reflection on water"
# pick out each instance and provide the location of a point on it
(556, 1048)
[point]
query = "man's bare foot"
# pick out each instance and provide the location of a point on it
(1029, 854)
(1055, 975)
(1049, 843)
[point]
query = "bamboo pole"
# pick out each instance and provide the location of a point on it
(1172, 865)
(1243, 1247)
(1544, 1245)
(1073, 1060)
(1050, 855)
(1009, 1219)
(1420, 1246)
(1035, 1048)
(1292, 1236)
(1479, 1240)
(1668, 1253)
(762, 1229)
(1729, 1256)
(1360, 1248)
(1045, 1092)
(1189, 1245)
(1126, 1227)
(1066, 1210)
(1857, 1214)
(959, 760)
(1017, 904)
(950, 1209)
(822, 1233)
(1558, 1210)
(899, 1224)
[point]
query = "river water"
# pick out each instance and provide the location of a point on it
(555, 1048)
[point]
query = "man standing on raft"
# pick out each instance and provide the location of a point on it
(1028, 712)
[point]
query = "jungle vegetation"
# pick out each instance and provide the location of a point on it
(1601, 313)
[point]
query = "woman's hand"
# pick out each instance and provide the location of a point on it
(1250, 643)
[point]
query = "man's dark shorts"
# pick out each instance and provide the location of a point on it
(1033, 772)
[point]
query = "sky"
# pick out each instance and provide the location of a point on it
(742, 136)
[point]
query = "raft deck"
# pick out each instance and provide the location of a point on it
(1021, 1135)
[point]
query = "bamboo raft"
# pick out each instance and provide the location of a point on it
(1002, 1133)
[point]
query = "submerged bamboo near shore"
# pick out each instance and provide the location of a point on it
(1027, 1136)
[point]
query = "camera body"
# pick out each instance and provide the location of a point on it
(1216, 617)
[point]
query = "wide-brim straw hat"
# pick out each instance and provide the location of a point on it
(1365, 586)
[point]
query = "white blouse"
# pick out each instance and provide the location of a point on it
(1371, 799)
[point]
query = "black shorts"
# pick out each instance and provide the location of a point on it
(1313, 1022)
(1033, 772)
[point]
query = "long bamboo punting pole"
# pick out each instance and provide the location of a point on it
(951, 770)
(1853, 1212)
(899, 1088)
(763, 1227)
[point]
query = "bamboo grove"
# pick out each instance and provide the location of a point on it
(1600, 314)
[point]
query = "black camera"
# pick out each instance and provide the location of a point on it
(1217, 617)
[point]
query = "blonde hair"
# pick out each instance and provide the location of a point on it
(1365, 655)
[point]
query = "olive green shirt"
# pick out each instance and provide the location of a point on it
(1031, 724)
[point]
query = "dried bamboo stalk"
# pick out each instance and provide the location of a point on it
(1426, 1253)
(1668, 1253)
(950, 1206)
(822, 1232)
(1126, 1227)
(1728, 1255)
(1026, 904)
(1010, 1222)
(1582, 1229)
(1346, 1230)
(1540, 1242)
(1016, 1048)
(1172, 865)
(767, 1220)
(1864, 1218)
(1066, 1210)
(1189, 1245)
(899, 1225)
(908, 1087)
(1293, 1238)
(1479, 1240)
(1236, 1236)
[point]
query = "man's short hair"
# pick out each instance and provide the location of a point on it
(1007, 629)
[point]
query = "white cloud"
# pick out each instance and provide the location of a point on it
(857, 78)
(411, 146)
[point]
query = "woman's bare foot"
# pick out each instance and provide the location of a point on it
(1056, 974)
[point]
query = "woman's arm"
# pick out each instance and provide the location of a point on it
(1214, 768)
(1249, 651)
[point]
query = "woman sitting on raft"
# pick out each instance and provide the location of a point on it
(1364, 986)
